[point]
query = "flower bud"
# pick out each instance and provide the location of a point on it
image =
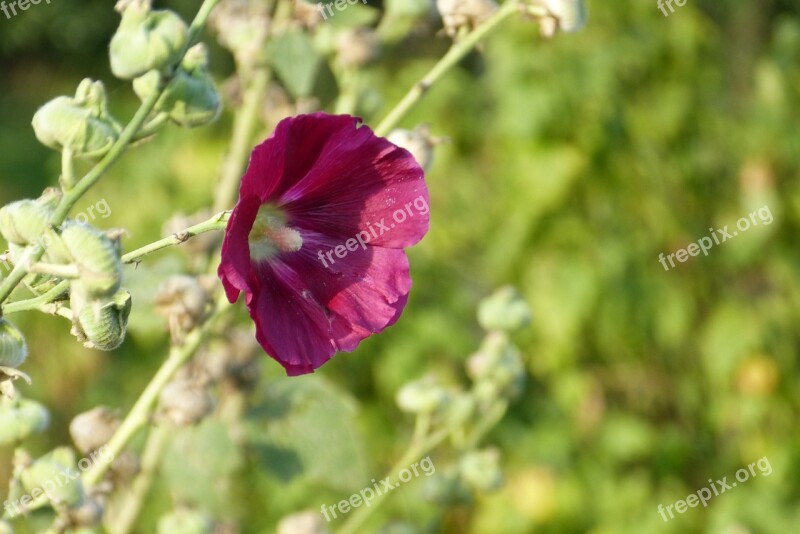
(184, 402)
(23, 222)
(504, 310)
(146, 40)
(21, 418)
(185, 521)
(422, 396)
(13, 348)
(101, 324)
(48, 472)
(97, 257)
(93, 429)
(481, 470)
(81, 124)
(191, 99)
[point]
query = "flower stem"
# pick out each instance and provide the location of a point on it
(453, 56)
(36, 302)
(217, 222)
(125, 519)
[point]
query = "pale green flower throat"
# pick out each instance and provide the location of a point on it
(270, 235)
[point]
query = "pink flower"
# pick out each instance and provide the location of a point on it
(316, 240)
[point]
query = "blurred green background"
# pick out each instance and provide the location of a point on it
(573, 164)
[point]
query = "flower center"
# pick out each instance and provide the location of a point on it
(270, 235)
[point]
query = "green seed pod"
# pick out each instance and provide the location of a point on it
(184, 521)
(97, 258)
(422, 396)
(146, 40)
(481, 470)
(47, 475)
(23, 222)
(13, 349)
(101, 324)
(21, 418)
(504, 310)
(81, 124)
(191, 99)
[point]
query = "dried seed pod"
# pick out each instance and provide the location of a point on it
(93, 429)
(183, 302)
(183, 402)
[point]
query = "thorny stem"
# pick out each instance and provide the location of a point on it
(456, 53)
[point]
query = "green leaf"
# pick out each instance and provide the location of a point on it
(306, 426)
(295, 61)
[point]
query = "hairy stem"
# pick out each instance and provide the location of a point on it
(215, 223)
(456, 53)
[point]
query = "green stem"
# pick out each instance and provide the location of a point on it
(244, 127)
(67, 168)
(125, 519)
(456, 53)
(143, 408)
(36, 302)
(217, 222)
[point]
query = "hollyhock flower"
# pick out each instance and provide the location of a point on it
(316, 240)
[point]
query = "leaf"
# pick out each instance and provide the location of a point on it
(306, 426)
(295, 61)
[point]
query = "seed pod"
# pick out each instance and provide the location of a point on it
(43, 474)
(20, 419)
(101, 324)
(504, 310)
(457, 14)
(191, 98)
(81, 124)
(183, 302)
(570, 14)
(185, 403)
(185, 521)
(93, 429)
(13, 348)
(88, 514)
(23, 222)
(146, 40)
(96, 256)
(356, 47)
(417, 141)
(422, 396)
